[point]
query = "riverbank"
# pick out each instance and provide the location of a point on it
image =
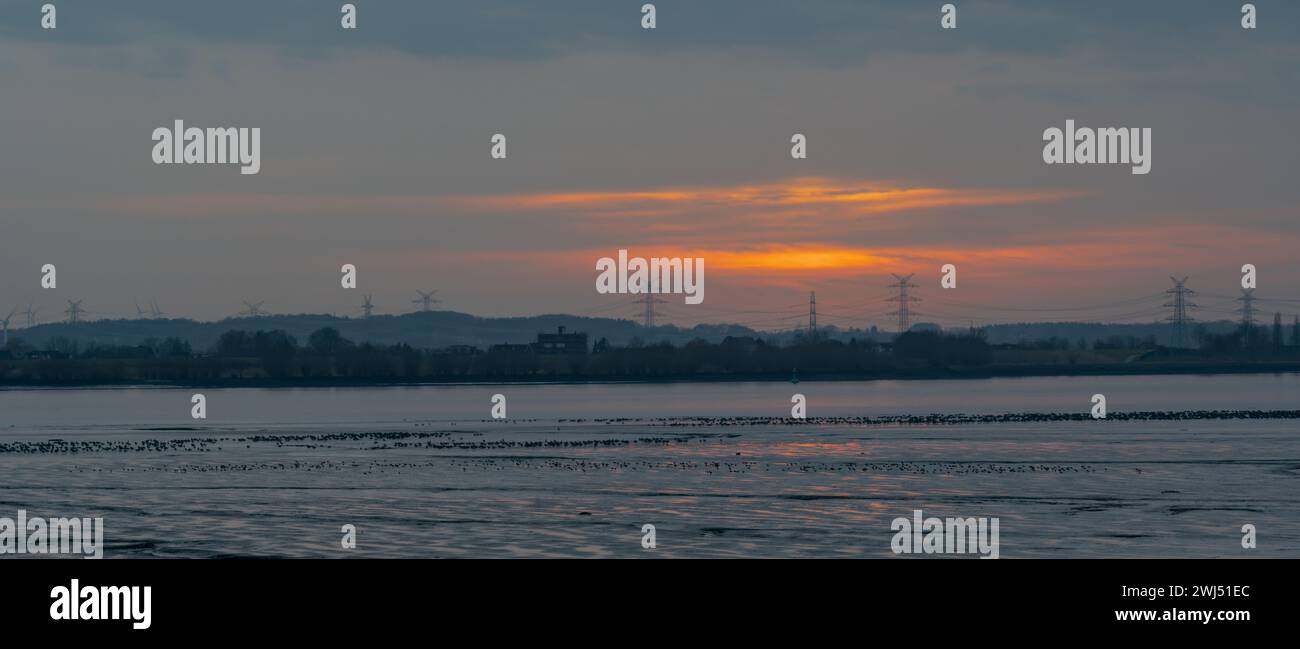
(920, 374)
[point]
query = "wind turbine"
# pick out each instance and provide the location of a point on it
(139, 313)
(426, 299)
(154, 310)
(31, 316)
(367, 307)
(254, 309)
(5, 324)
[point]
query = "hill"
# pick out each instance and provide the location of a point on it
(432, 329)
(438, 329)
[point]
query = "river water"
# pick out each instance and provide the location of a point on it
(578, 470)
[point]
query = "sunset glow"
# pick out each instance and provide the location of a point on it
(857, 196)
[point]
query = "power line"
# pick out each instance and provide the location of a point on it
(648, 316)
(426, 299)
(74, 311)
(1247, 310)
(1180, 306)
(813, 315)
(904, 301)
(1089, 307)
(253, 309)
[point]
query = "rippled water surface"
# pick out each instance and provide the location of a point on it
(578, 469)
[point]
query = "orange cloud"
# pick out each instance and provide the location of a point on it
(857, 197)
(1113, 249)
(805, 258)
(778, 210)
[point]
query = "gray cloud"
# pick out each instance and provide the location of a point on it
(404, 106)
(829, 31)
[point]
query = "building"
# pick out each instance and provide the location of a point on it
(556, 343)
(561, 343)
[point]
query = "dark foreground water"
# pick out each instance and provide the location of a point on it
(577, 470)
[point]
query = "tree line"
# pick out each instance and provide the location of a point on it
(275, 355)
(326, 354)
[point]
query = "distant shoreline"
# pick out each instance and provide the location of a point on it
(920, 374)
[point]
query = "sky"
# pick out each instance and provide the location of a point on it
(924, 149)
